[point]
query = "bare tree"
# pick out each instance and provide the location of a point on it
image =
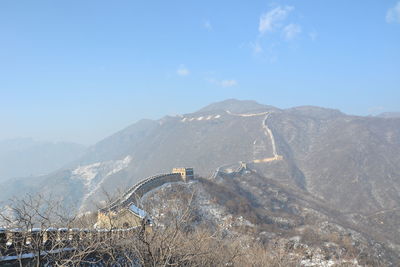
(174, 239)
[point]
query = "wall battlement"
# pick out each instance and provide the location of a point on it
(18, 244)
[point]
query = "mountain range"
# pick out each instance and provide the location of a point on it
(348, 164)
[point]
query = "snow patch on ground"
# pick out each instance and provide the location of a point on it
(119, 165)
(87, 172)
(138, 211)
(93, 175)
(318, 260)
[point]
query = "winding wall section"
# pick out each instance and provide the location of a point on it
(138, 190)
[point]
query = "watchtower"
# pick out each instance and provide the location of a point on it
(186, 173)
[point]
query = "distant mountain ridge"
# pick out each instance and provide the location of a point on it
(26, 157)
(389, 115)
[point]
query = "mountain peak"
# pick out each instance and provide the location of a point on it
(236, 105)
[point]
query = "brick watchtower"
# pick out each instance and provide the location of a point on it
(186, 173)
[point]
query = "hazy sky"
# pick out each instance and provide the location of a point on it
(81, 70)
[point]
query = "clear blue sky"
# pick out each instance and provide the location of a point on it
(81, 70)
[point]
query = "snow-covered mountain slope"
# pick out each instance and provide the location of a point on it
(93, 175)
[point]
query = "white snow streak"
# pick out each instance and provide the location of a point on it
(210, 117)
(93, 175)
(87, 172)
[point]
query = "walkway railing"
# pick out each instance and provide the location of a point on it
(131, 194)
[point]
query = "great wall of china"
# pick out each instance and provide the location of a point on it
(16, 244)
(138, 190)
(268, 133)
